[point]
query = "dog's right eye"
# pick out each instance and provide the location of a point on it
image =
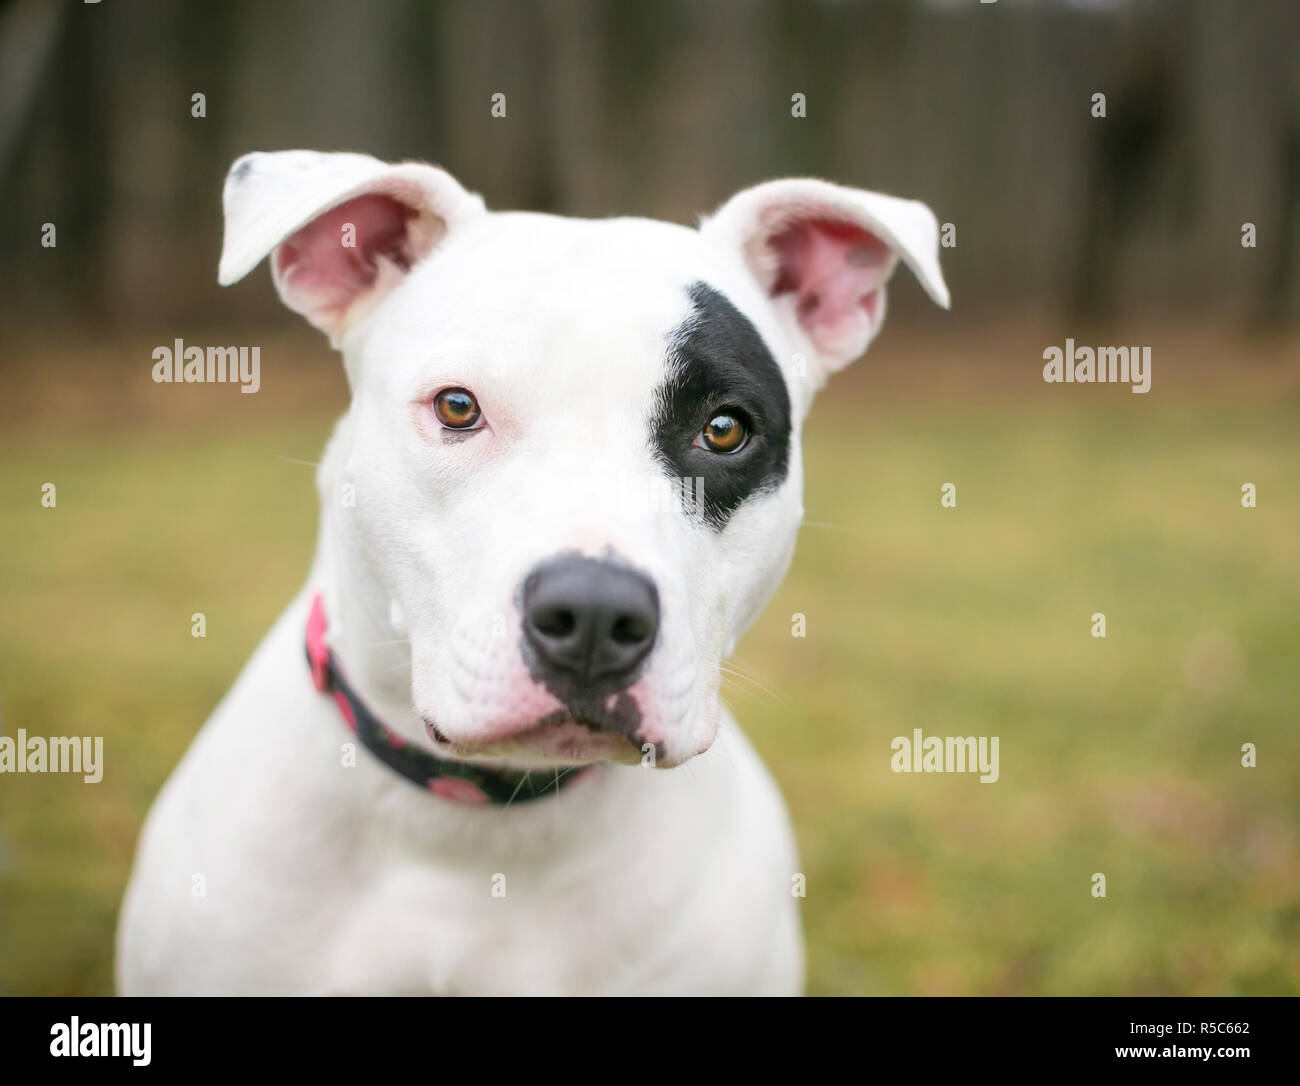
(726, 432)
(457, 409)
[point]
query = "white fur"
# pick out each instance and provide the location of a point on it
(328, 879)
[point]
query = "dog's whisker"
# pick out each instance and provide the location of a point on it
(739, 667)
(736, 673)
(755, 686)
(731, 685)
(526, 776)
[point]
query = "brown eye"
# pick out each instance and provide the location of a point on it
(456, 408)
(725, 432)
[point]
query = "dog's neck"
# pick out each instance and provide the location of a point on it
(367, 645)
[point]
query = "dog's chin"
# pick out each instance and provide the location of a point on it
(548, 742)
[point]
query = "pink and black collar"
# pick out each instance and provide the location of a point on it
(461, 781)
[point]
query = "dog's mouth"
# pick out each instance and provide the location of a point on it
(587, 725)
(561, 738)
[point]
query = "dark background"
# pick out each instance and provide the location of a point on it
(663, 109)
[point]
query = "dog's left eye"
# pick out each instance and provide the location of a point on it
(457, 409)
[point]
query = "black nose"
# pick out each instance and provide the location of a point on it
(589, 621)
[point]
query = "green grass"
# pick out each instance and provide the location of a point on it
(1119, 756)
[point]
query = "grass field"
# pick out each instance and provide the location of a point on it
(1120, 756)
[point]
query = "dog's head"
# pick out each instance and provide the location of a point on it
(570, 474)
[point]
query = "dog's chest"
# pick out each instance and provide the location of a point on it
(426, 932)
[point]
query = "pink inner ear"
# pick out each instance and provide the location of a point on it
(836, 271)
(321, 274)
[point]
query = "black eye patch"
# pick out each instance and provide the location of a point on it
(716, 359)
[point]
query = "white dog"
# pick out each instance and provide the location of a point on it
(568, 480)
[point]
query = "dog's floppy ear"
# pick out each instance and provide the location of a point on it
(822, 253)
(342, 229)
